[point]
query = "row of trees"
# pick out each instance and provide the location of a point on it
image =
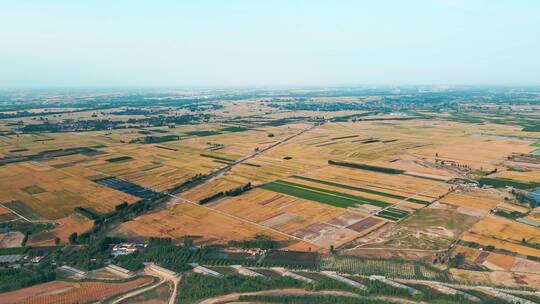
(233, 192)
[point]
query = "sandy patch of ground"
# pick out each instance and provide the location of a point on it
(11, 239)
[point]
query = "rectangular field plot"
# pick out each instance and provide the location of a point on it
(392, 214)
(320, 195)
(388, 268)
(370, 191)
(126, 187)
(33, 189)
(23, 210)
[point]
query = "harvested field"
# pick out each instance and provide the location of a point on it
(504, 234)
(41, 192)
(189, 219)
(325, 235)
(365, 224)
(346, 219)
(23, 210)
(60, 292)
(11, 239)
(501, 278)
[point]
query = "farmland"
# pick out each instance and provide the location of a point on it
(68, 292)
(376, 190)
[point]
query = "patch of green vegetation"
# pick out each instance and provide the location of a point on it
(88, 213)
(130, 261)
(259, 241)
(118, 159)
(202, 133)
(366, 167)
(233, 129)
(159, 139)
(344, 137)
(361, 199)
(14, 250)
(195, 287)
(233, 192)
(333, 198)
(11, 279)
(500, 182)
(531, 128)
(34, 189)
(175, 258)
(392, 214)
(222, 162)
(509, 214)
(217, 157)
(536, 144)
(362, 190)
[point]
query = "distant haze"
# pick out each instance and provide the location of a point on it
(244, 43)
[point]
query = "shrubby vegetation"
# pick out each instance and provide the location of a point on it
(259, 241)
(365, 167)
(91, 256)
(233, 192)
(194, 287)
(11, 279)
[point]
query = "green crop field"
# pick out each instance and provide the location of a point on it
(321, 195)
(392, 214)
(202, 133)
(413, 200)
(504, 182)
(310, 195)
(366, 167)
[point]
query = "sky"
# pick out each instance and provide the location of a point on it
(231, 43)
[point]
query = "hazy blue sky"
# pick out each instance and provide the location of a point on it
(230, 43)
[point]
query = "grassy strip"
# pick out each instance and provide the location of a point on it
(366, 167)
(217, 157)
(362, 190)
(344, 137)
(202, 133)
(14, 250)
(117, 159)
(536, 144)
(233, 129)
(222, 161)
